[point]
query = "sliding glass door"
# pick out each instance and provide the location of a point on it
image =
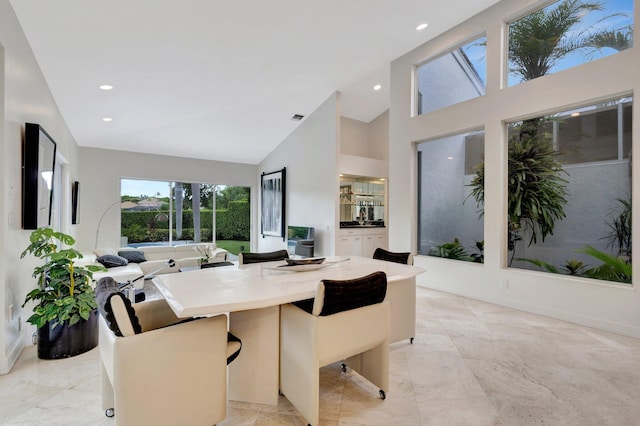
(163, 212)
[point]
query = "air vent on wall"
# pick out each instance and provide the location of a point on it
(297, 117)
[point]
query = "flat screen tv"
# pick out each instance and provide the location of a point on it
(300, 240)
(38, 165)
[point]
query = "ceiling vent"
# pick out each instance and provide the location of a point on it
(297, 117)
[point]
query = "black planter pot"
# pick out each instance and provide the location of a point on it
(64, 342)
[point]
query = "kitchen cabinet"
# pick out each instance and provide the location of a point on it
(360, 241)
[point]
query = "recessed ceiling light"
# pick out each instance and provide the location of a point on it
(449, 158)
(107, 119)
(106, 87)
(575, 114)
(377, 87)
(422, 26)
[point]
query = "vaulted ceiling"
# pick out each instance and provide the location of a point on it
(219, 79)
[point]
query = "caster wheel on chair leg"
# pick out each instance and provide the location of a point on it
(382, 394)
(110, 412)
(411, 340)
(343, 367)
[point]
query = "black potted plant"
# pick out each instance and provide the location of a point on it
(65, 306)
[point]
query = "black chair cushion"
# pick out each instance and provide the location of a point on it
(343, 295)
(248, 258)
(382, 254)
(233, 338)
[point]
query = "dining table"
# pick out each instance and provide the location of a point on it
(251, 296)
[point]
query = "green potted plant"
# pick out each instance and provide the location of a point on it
(65, 306)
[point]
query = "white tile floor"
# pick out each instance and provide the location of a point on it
(472, 363)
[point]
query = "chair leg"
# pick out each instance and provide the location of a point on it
(374, 365)
(108, 402)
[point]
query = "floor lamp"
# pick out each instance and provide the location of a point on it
(101, 219)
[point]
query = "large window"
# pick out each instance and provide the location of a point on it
(567, 174)
(448, 226)
(565, 34)
(454, 77)
(157, 212)
(569, 192)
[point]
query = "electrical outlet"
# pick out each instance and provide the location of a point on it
(10, 312)
(504, 284)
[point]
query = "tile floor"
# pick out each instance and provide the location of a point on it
(472, 363)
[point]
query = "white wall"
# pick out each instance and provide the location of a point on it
(101, 171)
(599, 304)
(360, 139)
(310, 156)
(379, 137)
(354, 137)
(24, 97)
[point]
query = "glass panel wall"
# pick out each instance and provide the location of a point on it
(454, 77)
(569, 183)
(157, 212)
(450, 226)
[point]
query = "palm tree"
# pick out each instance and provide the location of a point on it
(614, 39)
(539, 40)
(195, 208)
(179, 197)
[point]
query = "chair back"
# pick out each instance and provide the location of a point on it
(389, 256)
(116, 308)
(335, 296)
(248, 257)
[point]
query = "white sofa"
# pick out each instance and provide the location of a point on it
(184, 255)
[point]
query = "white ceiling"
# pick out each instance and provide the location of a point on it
(216, 79)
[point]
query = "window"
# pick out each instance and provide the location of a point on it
(565, 34)
(569, 183)
(597, 133)
(157, 212)
(448, 226)
(453, 77)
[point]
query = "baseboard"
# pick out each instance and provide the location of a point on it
(7, 363)
(587, 321)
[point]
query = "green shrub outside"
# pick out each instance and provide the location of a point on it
(234, 223)
(231, 224)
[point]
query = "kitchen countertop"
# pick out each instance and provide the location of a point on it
(357, 225)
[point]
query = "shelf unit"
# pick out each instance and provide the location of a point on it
(362, 198)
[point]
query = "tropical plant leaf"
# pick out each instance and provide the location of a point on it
(64, 293)
(613, 268)
(541, 264)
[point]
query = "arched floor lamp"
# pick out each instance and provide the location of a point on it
(102, 218)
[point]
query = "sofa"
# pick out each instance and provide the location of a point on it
(128, 263)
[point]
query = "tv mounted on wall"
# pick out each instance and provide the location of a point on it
(38, 165)
(301, 240)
